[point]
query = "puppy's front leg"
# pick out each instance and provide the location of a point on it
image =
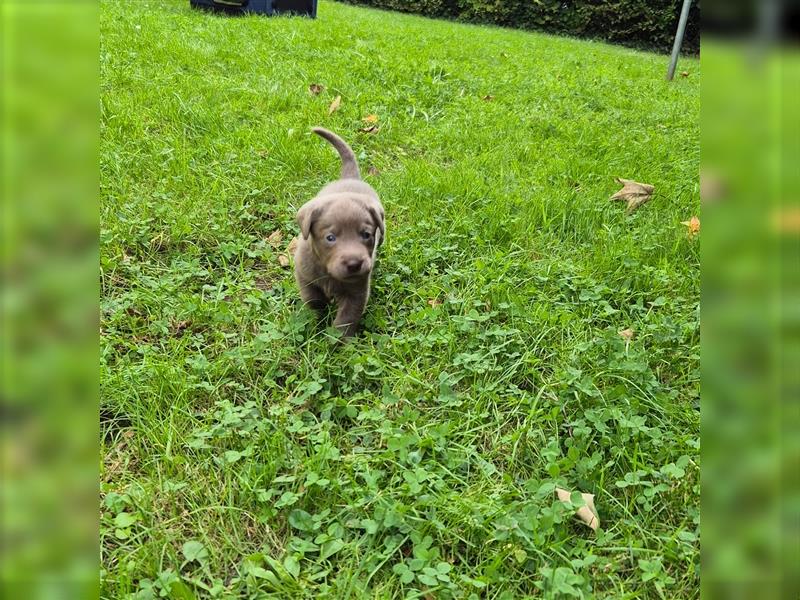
(313, 297)
(349, 313)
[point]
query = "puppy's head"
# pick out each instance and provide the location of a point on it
(342, 231)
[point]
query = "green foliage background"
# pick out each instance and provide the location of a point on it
(640, 23)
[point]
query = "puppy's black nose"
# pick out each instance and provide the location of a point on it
(354, 265)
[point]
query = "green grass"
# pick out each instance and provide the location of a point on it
(419, 460)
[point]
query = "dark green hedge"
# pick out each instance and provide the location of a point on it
(640, 23)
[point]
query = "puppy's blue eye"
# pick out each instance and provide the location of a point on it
(366, 235)
(330, 237)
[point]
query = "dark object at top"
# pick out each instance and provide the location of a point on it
(259, 7)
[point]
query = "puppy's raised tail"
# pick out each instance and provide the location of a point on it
(349, 163)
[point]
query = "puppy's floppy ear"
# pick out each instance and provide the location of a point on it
(308, 213)
(377, 217)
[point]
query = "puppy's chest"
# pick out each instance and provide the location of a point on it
(334, 289)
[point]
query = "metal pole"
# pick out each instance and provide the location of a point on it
(769, 17)
(676, 47)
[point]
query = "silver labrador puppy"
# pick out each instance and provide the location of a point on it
(341, 229)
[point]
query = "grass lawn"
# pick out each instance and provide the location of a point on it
(246, 455)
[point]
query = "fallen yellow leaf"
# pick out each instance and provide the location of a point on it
(588, 513)
(786, 220)
(370, 119)
(694, 226)
(335, 105)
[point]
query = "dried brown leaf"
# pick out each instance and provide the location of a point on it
(588, 513)
(335, 105)
(488, 98)
(263, 283)
(370, 129)
(373, 171)
(283, 260)
(626, 334)
(316, 88)
(292, 246)
(275, 238)
(634, 193)
(434, 302)
(711, 186)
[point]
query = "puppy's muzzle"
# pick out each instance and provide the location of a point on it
(353, 266)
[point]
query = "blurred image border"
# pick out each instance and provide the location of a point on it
(50, 393)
